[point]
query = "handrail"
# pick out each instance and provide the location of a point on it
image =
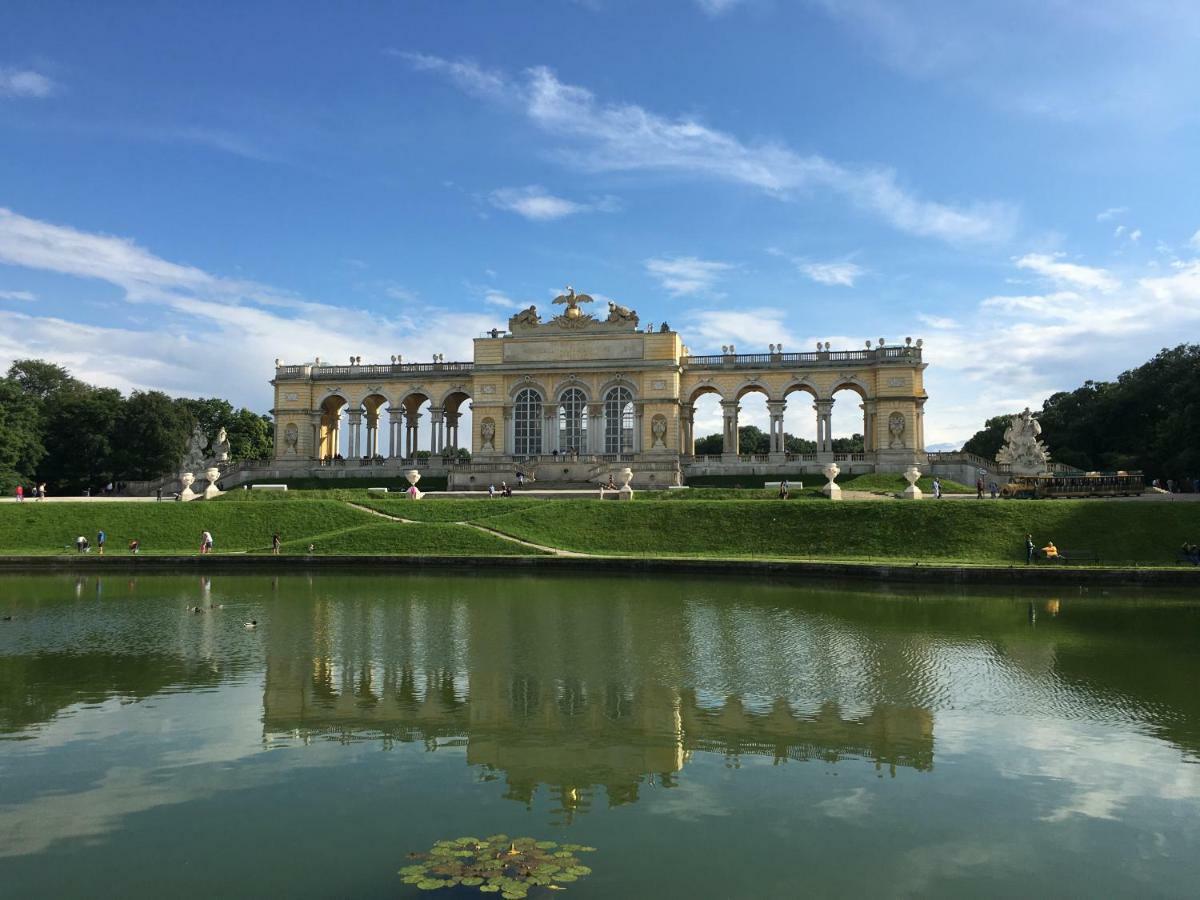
(905, 354)
(316, 373)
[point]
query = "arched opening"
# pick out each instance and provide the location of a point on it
(753, 421)
(619, 432)
(375, 416)
(457, 419)
(328, 441)
(703, 423)
(849, 426)
(416, 409)
(800, 420)
(527, 423)
(572, 422)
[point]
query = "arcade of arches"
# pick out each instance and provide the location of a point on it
(578, 387)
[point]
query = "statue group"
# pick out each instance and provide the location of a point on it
(1023, 451)
(201, 454)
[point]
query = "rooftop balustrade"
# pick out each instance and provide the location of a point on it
(900, 354)
(324, 373)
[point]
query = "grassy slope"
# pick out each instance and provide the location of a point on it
(392, 538)
(962, 531)
(451, 510)
(169, 527)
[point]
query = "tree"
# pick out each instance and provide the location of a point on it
(251, 436)
(21, 446)
(79, 427)
(150, 437)
(40, 379)
(711, 445)
(987, 443)
(852, 444)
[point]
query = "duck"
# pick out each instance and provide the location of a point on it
(7, 618)
(217, 606)
(194, 609)
(253, 623)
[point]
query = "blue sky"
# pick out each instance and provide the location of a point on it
(190, 191)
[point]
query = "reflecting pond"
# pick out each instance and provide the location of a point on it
(711, 738)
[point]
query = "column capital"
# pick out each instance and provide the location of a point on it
(776, 407)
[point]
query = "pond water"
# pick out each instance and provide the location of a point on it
(711, 738)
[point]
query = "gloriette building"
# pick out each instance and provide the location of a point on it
(568, 397)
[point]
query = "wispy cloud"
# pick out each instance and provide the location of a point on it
(536, 203)
(25, 83)
(1051, 267)
(685, 275)
(1111, 213)
(717, 7)
(24, 296)
(606, 137)
(1195, 240)
(210, 334)
(839, 272)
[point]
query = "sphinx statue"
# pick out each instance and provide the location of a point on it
(619, 313)
(526, 318)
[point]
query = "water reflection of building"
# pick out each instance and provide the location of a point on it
(540, 713)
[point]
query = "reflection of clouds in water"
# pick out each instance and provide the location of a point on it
(1104, 771)
(926, 866)
(687, 801)
(184, 754)
(854, 805)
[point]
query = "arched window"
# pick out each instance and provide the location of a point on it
(618, 421)
(527, 423)
(572, 421)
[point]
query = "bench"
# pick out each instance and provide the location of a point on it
(268, 487)
(379, 490)
(1070, 556)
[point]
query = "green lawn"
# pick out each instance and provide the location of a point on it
(962, 531)
(988, 532)
(394, 538)
(168, 527)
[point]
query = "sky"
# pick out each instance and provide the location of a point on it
(190, 191)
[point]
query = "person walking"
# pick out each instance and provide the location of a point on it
(134, 546)
(937, 489)
(978, 488)
(491, 492)
(41, 491)
(20, 493)
(520, 479)
(206, 542)
(1029, 549)
(994, 489)
(275, 542)
(100, 538)
(783, 489)
(158, 495)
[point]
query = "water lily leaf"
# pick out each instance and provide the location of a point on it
(472, 881)
(546, 845)
(580, 870)
(563, 854)
(490, 888)
(430, 884)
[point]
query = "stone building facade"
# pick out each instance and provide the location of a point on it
(579, 390)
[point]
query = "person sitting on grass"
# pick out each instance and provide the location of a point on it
(81, 544)
(134, 546)
(1051, 552)
(783, 490)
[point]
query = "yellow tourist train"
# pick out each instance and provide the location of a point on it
(1087, 484)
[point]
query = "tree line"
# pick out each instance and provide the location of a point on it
(1147, 420)
(74, 435)
(752, 440)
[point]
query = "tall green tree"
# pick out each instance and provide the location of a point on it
(21, 448)
(150, 436)
(80, 425)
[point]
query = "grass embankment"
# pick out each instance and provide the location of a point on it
(174, 528)
(873, 482)
(985, 533)
(451, 509)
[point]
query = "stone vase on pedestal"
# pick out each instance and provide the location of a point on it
(624, 476)
(912, 492)
(211, 475)
(412, 476)
(832, 490)
(186, 480)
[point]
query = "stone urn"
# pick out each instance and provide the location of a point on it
(186, 479)
(412, 476)
(832, 490)
(211, 475)
(912, 492)
(624, 476)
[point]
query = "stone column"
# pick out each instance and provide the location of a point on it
(729, 446)
(315, 422)
(687, 422)
(549, 429)
(869, 438)
(394, 433)
(775, 408)
(352, 446)
(452, 430)
(595, 428)
(438, 437)
(505, 439)
(638, 421)
(411, 436)
(824, 410)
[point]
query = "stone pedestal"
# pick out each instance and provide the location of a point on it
(912, 492)
(832, 490)
(211, 475)
(186, 479)
(412, 476)
(624, 476)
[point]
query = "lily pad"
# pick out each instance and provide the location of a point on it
(496, 864)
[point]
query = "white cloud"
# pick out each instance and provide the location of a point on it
(24, 83)
(493, 297)
(750, 330)
(1195, 240)
(833, 273)
(603, 137)
(684, 275)
(24, 296)
(1049, 266)
(1135, 235)
(534, 202)
(1111, 213)
(937, 321)
(208, 335)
